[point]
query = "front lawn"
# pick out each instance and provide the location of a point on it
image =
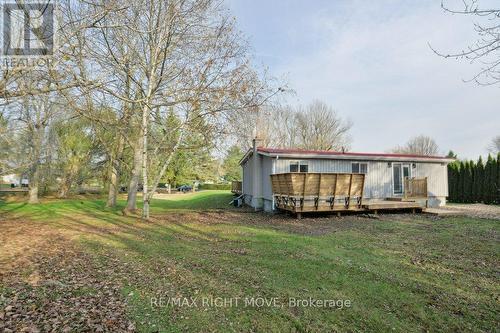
(397, 273)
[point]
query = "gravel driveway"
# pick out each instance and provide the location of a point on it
(475, 210)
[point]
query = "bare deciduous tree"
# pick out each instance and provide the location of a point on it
(6, 143)
(124, 67)
(152, 56)
(419, 145)
(316, 126)
(75, 149)
(319, 127)
(494, 146)
(486, 49)
(35, 115)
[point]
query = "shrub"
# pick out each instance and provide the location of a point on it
(222, 187)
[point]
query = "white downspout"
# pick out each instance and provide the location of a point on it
(274, 172)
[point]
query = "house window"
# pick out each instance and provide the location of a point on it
(359, 167)
(299, 167)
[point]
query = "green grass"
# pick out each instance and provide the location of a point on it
(405, 274)
(54, 208)
(207, 199)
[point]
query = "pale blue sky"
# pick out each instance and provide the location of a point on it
(371, 61)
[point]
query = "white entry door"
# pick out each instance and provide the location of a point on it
(400, 171)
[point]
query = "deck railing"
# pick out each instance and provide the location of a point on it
(313, 191)
(415, 188)
(237, 187)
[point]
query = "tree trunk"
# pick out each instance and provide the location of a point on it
(34, 175)
(68, 178)
(134, 180)
(33, 187)
(145, 196)
(64, 189)
(114, 178)
(165, 165)
(113, 185)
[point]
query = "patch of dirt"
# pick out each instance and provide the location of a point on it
(49, 284)
(309, 225)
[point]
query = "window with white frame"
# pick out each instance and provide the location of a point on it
(359, 167)
(299, 166)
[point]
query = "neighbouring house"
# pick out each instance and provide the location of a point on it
(15, 179)
(384, 173)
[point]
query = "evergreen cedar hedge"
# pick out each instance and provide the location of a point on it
(224, 187)
(470, 182)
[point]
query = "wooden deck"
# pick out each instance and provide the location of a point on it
(370, 206)
(237, 187)
(319, 208)
(382, 205)
(332, 192)
(391, 205)
(442, 212)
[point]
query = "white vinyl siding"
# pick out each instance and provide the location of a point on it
(247, 180)
(378, 180)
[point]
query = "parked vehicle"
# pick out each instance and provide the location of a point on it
(185, 188)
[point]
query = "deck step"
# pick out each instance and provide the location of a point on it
(442, 212)
(393, 199)
(392, 205)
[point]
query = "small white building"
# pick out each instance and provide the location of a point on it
(384, 173)
(16, 179)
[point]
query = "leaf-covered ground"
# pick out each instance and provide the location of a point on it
(74, 266)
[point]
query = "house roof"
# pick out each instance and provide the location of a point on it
(328, 154)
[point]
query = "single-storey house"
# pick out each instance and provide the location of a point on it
(17, 180)
(384, 173)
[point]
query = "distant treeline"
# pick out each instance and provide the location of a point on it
(470, 181)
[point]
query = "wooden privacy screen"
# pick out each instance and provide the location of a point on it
(415, 188)
(317, 191)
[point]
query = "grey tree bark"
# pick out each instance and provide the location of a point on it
(145, 196)
(134, 179)
(33, 187)
(114, 177)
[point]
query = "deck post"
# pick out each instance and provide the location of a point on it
(339, 214)
(299, 216)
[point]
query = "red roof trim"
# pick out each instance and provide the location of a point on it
(336, 153)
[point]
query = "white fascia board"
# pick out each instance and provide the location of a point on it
(359, 158)
(245, 157)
